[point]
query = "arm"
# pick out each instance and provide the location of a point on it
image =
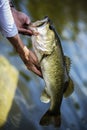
(9, 30)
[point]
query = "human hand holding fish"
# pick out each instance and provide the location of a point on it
(22, 21)
(31, 62)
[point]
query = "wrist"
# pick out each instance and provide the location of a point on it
(26, 52)
(21, 49)
(16, 43)
(25, 55)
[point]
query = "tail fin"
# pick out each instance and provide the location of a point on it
(49, 118)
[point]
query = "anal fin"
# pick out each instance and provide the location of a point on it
(45, 98)
(70, 88)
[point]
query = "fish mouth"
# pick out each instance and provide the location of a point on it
(39, 23)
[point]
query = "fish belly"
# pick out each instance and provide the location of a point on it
(53, 73)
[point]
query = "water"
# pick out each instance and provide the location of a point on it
(70, 19)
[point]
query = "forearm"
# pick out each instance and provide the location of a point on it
(19, 46)
(16, 43)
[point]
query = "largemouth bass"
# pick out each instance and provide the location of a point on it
(55, 68)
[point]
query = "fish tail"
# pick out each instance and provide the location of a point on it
(49, 118)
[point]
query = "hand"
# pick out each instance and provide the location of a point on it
(31, 62)
(27, 56)
(22, 21)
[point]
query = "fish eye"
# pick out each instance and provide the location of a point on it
(50, 27)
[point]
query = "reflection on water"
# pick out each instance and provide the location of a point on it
(70, 19)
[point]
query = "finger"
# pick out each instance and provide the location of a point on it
(33, 58)
(27, 21)
(25, 31)
(36, 71)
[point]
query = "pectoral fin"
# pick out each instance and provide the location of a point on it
(45, 97)
(70, 89)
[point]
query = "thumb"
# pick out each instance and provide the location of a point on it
(25, 31)
(27, 20)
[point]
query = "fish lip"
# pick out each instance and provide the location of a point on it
(33, 26)
(41, 22)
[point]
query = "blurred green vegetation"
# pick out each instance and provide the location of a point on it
(64, 14)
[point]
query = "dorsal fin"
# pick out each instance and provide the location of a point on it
(67, 62)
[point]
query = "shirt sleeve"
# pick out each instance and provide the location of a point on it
(7, 25)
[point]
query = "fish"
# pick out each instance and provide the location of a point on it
(55, 67)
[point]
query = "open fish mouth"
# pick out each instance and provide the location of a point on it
(39, 23)
(34, 26)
